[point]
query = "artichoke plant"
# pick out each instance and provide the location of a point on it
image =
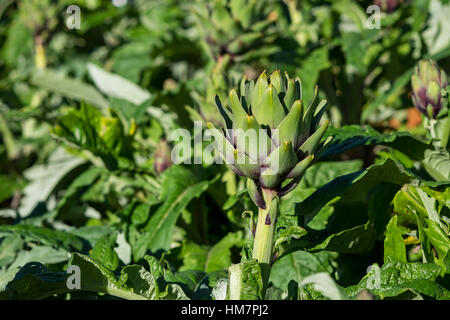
(270, 138)
(242, 29)
(427, 82)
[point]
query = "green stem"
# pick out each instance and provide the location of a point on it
(432, 128)
(264, 235)
(445, 132)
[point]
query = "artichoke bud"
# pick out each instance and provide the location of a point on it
(162, 157)
(427, 82)
(387, 5)
(269, 136)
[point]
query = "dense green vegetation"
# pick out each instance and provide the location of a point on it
(357, 206)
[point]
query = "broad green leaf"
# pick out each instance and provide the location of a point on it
(44, 178)
(396, 278)
(297, 266)
(35, 281)
(88, 129)
(219, 256)
(188, 280)
(43, 254)
(315, 62)
(354, 186)
(44, 236)
(245, 281)
(8, 249)
(179, 186)
(285, 235)
(115, 86)
(417, 208)
(324, 284)
(103, 252)
(68, 87)
(323, 172)
(140, 281)
(394, 247)
(354, 240)
(353, 136)
(437, 164)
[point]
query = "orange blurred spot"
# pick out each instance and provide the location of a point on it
(394, 123)
(414, 118)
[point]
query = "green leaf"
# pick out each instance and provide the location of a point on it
(87, 128)
(437, 164)
(354, 186)
(394, 247)
(115, 86)
(8, 248)
(103, 251)
(140, 281)
(354, 240)
(297, 266)
(219, 256)
(245, 281)
(353, 136)
(316, 61)
(323, 283)
(44, 236)
(285, 235)
(179, 186)
(68, 87)
(43, 254)
(415, 207)
(396, 278)
(35, 281)
(44, 179)
(209, 259)
(323, 172)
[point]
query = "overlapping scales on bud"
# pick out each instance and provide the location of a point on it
(269, 136)
(427, 82)
(240, 28)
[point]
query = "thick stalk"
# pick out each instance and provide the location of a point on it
(265, 230)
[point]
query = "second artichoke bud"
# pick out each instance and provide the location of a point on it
(163, 158)
(269, 136)
(387, 5)
(427, 82)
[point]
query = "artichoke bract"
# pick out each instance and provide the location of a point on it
(427, 82)
(269, 136)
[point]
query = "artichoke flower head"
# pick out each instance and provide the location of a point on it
(427, 82)
(269, 136)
